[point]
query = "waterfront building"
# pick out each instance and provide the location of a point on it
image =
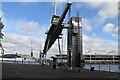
(94, 58)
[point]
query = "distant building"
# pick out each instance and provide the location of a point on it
(94, 58)
(89, 53)
(102, 58)
(11, 56)
(24, 55)
(64, 58)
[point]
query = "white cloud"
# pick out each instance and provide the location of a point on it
(16, 39)
(21, 43)
(91, 5)
(29, 27)
(116, 29)
(9, 45)
(98, 46)
(1, 13)
(86, 25)
(114, 35)
(25, 27)
(93, 34)
(111, 30)
(108, 28)
(105, 10)
(79, 5)
(110, 10)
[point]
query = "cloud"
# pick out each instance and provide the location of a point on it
(20, 43)
(93, 34)
(116, 29)
(98, 46)
(24, 27)
(86, 25)
(105, 10)
(1, 13)
(110, 10)
(114, 35)
(91, 5)
(29, 27)
(9, 45)
(108, 28)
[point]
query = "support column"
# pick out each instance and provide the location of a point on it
(75, 42)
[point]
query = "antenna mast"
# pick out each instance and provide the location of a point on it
(1, 7)
(31, 50)
(54, 7)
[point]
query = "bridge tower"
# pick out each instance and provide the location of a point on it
(74, 45)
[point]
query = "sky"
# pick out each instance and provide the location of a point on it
(27, 22)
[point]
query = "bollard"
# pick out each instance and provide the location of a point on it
(92, 69)
(99, 67)
(109, 68)
(22, 61)
(90, 66)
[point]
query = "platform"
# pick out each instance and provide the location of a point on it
(37, 71)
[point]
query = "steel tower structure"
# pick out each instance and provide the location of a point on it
(74, 42)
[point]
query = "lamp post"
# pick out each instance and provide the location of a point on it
(113, 56)
(2, 52)
(15, 55)
(1, 37)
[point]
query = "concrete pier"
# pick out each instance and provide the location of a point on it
(36, 71)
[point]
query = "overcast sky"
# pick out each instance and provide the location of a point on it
(27, 22)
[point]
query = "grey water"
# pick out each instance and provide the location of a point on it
(104, 67)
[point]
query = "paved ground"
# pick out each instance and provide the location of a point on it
(37, 71)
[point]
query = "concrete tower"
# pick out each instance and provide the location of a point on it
(75, 42)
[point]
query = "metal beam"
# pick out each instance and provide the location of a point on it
(55, 30)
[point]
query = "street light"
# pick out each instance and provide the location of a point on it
(113, 56)
(15, 55)
(1, 37)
